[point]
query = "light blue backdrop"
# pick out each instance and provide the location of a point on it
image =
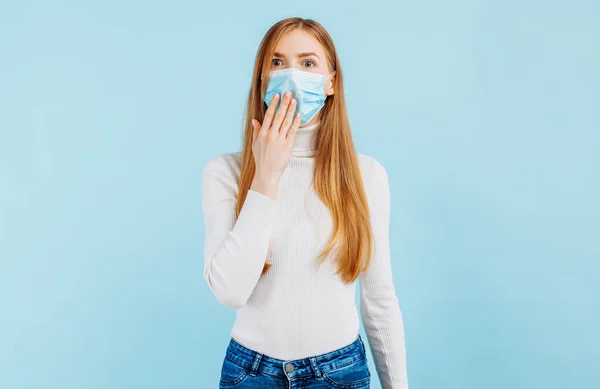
(485, 114)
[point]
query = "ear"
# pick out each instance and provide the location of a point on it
(329, 90)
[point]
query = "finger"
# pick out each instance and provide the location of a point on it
(281, 111)
(289, 117)
(268, 119)
(291, 133)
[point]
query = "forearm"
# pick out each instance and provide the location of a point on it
(234, 262)
(384, 326)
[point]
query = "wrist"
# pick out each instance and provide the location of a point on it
(268, 187)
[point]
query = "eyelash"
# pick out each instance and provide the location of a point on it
(308, 60)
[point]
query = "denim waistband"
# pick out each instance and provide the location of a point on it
(313, 366)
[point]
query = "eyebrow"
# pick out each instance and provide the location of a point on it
(308, 54)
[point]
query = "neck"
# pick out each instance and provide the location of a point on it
(304, 142)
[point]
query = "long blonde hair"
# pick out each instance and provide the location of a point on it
(337, 177)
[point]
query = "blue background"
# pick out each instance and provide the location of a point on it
(484, 113)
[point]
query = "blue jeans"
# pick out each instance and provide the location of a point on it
(344, 368)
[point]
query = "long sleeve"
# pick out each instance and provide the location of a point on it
(234, 250)
(380, 310)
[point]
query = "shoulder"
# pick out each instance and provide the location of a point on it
(373, 172)
(225, 167)
(223, 163)
(369, 162)
(377, 188)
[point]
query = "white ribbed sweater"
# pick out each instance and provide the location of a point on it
(297, 309)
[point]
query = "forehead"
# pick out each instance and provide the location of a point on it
(299, 41)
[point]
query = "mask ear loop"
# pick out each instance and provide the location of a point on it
(330, 74)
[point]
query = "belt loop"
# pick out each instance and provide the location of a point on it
(255, 364)
(362, 344)
(313, 363)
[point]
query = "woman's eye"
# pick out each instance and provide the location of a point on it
(309, 62)
(275, 62)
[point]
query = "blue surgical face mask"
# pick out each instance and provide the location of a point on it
(306, 88)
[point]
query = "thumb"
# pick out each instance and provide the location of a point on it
(256, 127)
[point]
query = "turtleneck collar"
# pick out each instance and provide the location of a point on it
(305, 141)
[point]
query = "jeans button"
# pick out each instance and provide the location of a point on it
(289, 368)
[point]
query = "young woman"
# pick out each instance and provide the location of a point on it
(292, 221)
